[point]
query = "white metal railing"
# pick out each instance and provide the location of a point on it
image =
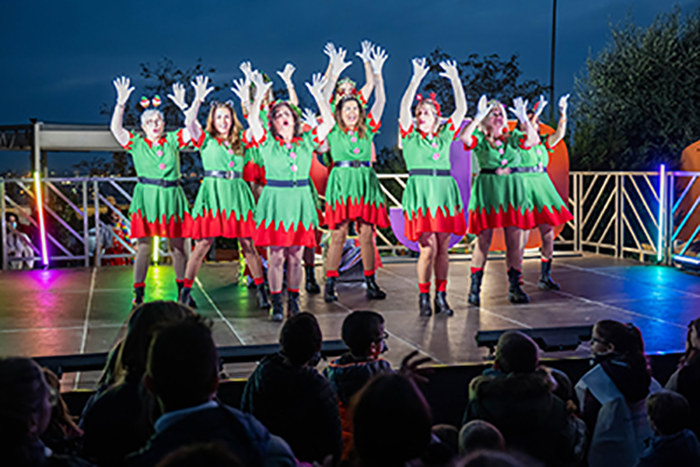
(650, 216)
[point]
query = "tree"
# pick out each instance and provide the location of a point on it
(489, 75)
(639, 99)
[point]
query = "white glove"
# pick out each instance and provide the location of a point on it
(309, 117)
(201, 91)
(519, 109)
(419, 69)
(241, 89)
(542, 103)
(315, 86)
(178, 96)
(483, 108)
(563, 104)
(247, 70)
(124, 89)
(261, 87)
(449, 70)
(329, 50)
(338, 63)
(364, 54)
(287, 73)
(377, 58)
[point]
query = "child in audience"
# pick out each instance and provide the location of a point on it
(363, 333)
(673, 444)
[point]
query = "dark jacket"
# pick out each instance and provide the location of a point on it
(297, 404)
(688, 385)
(122, 412)
(679, 450)
(529, 416)
(243, 435)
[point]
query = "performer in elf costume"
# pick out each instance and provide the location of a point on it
(432, 204)
(334, 87)
(353, 192)
(549, 210)
(286, 214)
(224, 205)
(498, 198)
(159, 206)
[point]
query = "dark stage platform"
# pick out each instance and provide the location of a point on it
(69, 311)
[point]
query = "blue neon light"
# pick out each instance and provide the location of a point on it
(662, 204)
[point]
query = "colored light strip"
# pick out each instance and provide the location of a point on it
(156, 249)
(40, 213)
(687, 259)
(662, 205)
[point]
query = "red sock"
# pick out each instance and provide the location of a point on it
(424, 287)
(258, 280)
(188, 283)
(473, 269)
(293, 290)
(545, 260)
(139, 284)
(441, 285)
(331, 273)
(275, 293)
(179, 281)
(369, 272)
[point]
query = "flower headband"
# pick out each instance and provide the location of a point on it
(155, 102)
(294, 108)
(430, 99)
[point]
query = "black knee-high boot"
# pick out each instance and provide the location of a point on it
(515, 292)
(546, 282)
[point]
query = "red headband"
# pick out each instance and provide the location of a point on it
(432, 100)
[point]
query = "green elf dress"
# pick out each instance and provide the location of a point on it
(431, 201)
(353, 191)
(159, 206)
(286, 213)
(498, 200)
(547, 205)
(224, 205)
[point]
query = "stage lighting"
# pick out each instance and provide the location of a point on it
(547, 339)
(687, 263)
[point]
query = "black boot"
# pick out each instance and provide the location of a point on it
(263, 303)
(424, 304)
(329, 294)
(184, 295)
(139, 293)
(292, 304)
(373, 290)
(311, 284)
(277, 312)
(546, 282)
(190, 301)
(441, 305)
(475, 288)
(515, 293)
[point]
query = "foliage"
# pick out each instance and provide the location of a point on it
(639, 99)
(490, 75)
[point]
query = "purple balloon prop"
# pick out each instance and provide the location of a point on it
(461, 168)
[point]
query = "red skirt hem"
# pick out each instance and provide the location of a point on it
(511, 217)
(295, 236)
(174, 228)
(552, 217)
(368, 213)
(420, 223)
(210, 225)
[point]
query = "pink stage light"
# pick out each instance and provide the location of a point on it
(40, 213)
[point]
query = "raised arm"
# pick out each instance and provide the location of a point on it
(327, 89)
(254, 122)
(201, 91)
(519, 109)
(419, 72)
(124, 90)
(482, 110)
(324, 107)
(286, 76)
(366, 55)
(242, 90)
(377, 60)
(450, 72)
(338, 64)
(558, 135)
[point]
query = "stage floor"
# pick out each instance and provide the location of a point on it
(69, 311)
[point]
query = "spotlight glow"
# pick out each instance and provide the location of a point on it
(156, 249)
(40, 213)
